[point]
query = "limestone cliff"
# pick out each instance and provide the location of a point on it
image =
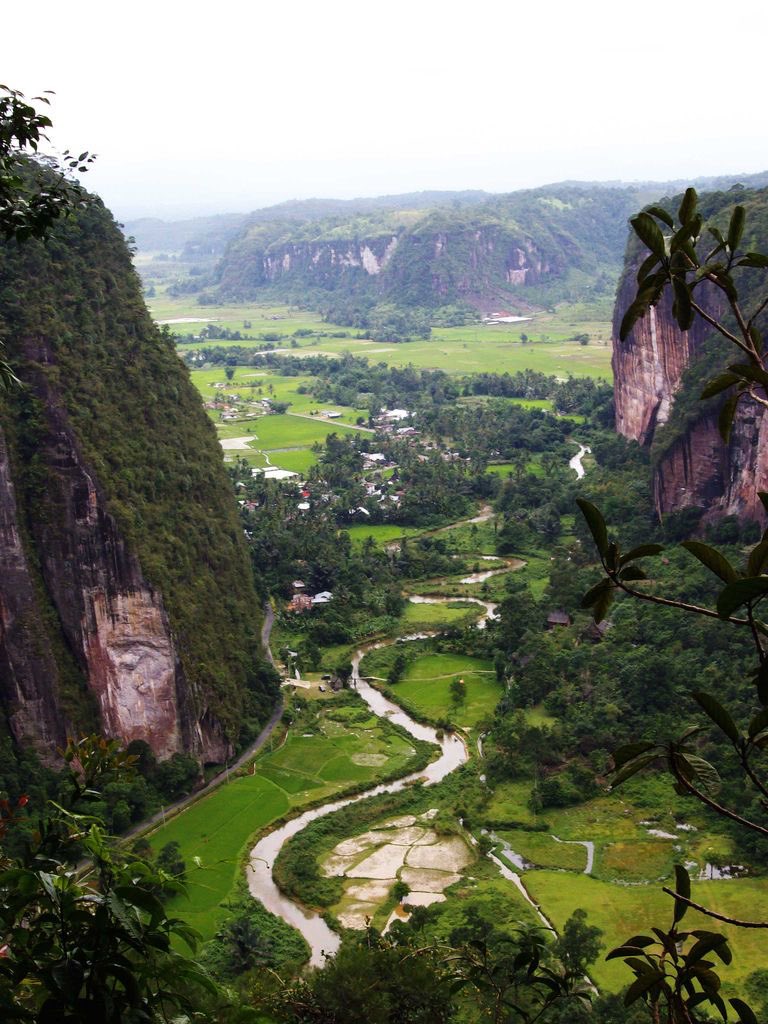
(658, 375)
(522, 246)
(126, 599)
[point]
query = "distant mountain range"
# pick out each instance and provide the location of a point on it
(395, 264)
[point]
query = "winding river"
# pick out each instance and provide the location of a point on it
(453, 752)
(320, 937)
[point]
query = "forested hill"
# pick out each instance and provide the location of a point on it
(201, 236)
(526, 248)
(126, 597)
(405, 262)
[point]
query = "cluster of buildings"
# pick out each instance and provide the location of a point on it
(303, 602)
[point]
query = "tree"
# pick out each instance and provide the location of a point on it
(579, 945)
(458, 691)
(83, 935)
(34, 193)
(171, 861)
(674, 968)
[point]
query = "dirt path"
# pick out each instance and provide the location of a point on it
(335, 423)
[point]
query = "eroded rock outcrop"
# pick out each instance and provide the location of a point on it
(692, 465)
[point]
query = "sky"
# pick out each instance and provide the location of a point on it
(220, 107)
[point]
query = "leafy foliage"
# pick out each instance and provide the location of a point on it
(666, 972)
(84, 936)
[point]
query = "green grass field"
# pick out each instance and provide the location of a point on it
(494, 348)
(438, 615)
(621, 911)
(381, 534)
(425, 687)
(314, 762)
(545, 852)
(253, 385)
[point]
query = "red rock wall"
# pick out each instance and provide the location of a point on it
(29, 675)
(697, 469)
(112, 621)
(648, 365)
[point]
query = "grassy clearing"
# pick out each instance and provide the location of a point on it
(438, 615)
(380, 534)
(541, 849)
(314, 762)
(484, 896)
(494, 348)
(621, 911)
(509, 803)
(426, 687)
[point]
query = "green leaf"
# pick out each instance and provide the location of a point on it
(736, 227)
(647, 230)
(725, 419)
(761, 679)
(595, 593)
(641, 986)
(745, 1012)
(682, 310)
(632, 572)
(634, 312)
(757, 558)
(602, 606)
(646, 267)
(633, 768)
(750, 371)
(661, 214)
(758, 723)
(134, 896)
(641, 551)
(688, 206)
(706, 944)
(631, 947)
(712, 559)
(596, 524)
(725, 282)
(698, 771)
(719, 715)
(718, 384)
(737, 594)
(682, 888)
(629, 752)
(753, 259)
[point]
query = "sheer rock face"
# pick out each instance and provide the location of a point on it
(111, 620)
(28, 671)
(476, 264)
(649, 364)
(697, 469)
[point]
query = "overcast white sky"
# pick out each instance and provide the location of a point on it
(223, 106)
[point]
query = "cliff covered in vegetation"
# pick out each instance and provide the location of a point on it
(520, 249)
(126, 598)
(659, 373)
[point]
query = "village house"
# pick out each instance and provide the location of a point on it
(558, 618)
